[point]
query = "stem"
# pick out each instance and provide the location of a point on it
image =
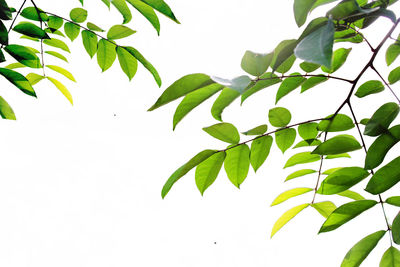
(305, 75)
(386, 83)
(362, 35)
(319, 173)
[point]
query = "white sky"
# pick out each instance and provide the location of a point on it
(81, 187)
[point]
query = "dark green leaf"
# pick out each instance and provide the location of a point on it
(396, 230)
(5, 11)
(161, 7)
(260, 148)
(147, 12)
(301, 158)
(308, 130)
(57, 43)
(288, 85)
(226, 97)
(309, 67)
(279, 117)
(394, 75)
(193, 99)
(385, 178)
(71, 30)
(78, 15)
(339, 58)
(239, 83)
(392, 53)
(299, 173)
(207, 171)
(55, 22)
(370, 87)
(337, 145)
(119, 31)
(301, 9)
(286, 217)
(181, 87)
(94, 27)
(237, 164)
(324, 208)
(317, 46)
(391, 258)
(257, 130)
(127, 62)
(312, 81)
(289, 194)
(381, 146)
(3, 34)
(6, 111)
(33, 14)
(339, 123)
(361, 250)
(345, 213)
(89, 40)
(285, 138)
(57, 55)
(23, 55)
(395, 201)
(382, 118)
(185, 168)
(224, 131)
(342, 180)
(266, 80)
(256, 63)
(18, 80)
(106, 54)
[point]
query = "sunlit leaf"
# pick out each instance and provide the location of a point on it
(94, 27)
(308, 142)
(381, 119)
(89, 40)
(207, 171)
(57, 55)
(299, 173)
(55, 22)
(260, 148)
(6, 112)
(395, 201)
(123, 9)
(301, 9)
(336, 156)
(390, 258)
(394, 75)
(257, 130)
(385, 178)
(78, 15)
(289, 194)
(309, 67)
(264, 81)
(339, 123)
(396, 229)
(62, 89)
(224, 131)
(286, 217)
(337, 145)
(392, 53)
(147, 12)
(56, 43)
(285, 138)
(106, 54)
(370, 87)
(119, 31)
(279, 117)
(127, 62)
(308, 130)
(351, 194)
(18, 80)
(71, 30)
(256, 63)
(239, 83)
(33, 14)
(312, 81)
(301, 158)
(15, 65)
(324, 208)
(288, 85)
(23, 55)
(226, 97)
(237, 163)
(161, 7)
(34, 78)
(339, 58)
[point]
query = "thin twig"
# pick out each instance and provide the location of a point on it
(319, 173)
(386, 83)
(305, 75)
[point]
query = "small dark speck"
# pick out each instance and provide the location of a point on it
(115, 115)
(215, 243)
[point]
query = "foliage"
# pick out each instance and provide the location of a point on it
(317, 49)
(49, 33)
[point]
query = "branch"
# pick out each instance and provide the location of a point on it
(386, 83)
(305, 75)
(319, 173)
(362, 35)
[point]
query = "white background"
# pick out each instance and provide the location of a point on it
(80, 186)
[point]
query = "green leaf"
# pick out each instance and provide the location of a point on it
(342, 155)
(308, 130)
(23, 55)
(309, 67)
(119, 31)
(286, 65)
(338, 144)
(72, 30)
(123, 8)
(55, 22)
(107, 3)
(346, 9)
(381, 146)
(285, 138)
(144, 62)
(161, 7)
(94, 27)
(289, 194)
(260, 148)
(390, 258)
(193, 99)
(308, 142)
(185, 168)
(317, 46)
(394, 75)
(78, 15)
(279, 117)
(395, 201)
(127, 62)
(6, 111)
(301, 9)
(31, 30)
(396, 230)
(3, 34)
(147, 12)
(339, 58)
(5, 11)
(181, 87)
(339, 123)
(282, 52)
(286, 217)
(106, 54)
(385, 178)
(370, 87)
(237, 164)
(15, 65)
(18, 80)
(57, 43)
(301, 158)
(288, 85)
(299, 173)
(266, 80)
(256, 63)
(224, 131)
(34, 78)
(324, 208)
(351, 194)
(62, 71)
(57, 55)
(392, 53)
(53, 31)
(312, 81)
(382, 118)
(207, 171)
(361, 250)
(226, 97)
(62, 89)
(257, 130)
(345, 213)
(89, 40)
(331, 170)
(33, 14)
(239, 83)
(342, 180)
